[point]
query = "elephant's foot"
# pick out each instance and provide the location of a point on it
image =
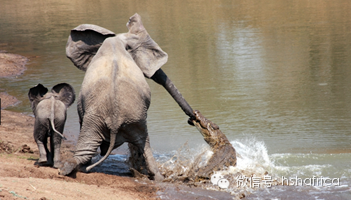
(43, 159)
(57, 164)
(83, 167)
(68, 167)
(50, 160)
(49, 163)
(158, 177)
(135, 173)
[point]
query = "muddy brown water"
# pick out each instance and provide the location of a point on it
(274, 75)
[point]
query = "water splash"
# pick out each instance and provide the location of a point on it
(179, 163)
(253, 164)
(252, 161)
(252, 157)
(255, 167)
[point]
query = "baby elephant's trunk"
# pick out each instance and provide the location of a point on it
(52, 117)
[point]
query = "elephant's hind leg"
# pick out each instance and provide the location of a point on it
(55, 146)
(90, 138)
(136, 159)
(141, 158)
(151, 162)
(40, 136)
(45, 155)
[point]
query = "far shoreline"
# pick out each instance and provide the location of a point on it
(12, 65)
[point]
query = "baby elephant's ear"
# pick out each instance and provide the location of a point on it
(83, 43)
(65, 93)
(37, 92)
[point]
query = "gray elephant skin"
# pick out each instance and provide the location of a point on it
(114, 97)
(50, 111)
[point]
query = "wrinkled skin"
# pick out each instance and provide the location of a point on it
(224, 154)
(115, 97)
(50, 110)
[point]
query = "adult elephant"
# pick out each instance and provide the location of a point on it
(115, 97)
(50, 111)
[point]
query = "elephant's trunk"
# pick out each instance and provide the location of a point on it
(52, 117)
(161, 78)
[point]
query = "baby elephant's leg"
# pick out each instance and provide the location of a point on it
(40, 137)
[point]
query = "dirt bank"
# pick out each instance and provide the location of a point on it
(20, 177)
(7, 100)
(11, 64)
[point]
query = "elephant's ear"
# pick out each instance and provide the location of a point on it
(37, 93)
(144, 50)
(83, 43)
(65, 93)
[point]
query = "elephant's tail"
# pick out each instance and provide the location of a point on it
(110, 148)
(52, 117)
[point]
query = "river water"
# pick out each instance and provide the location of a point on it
(274, 75)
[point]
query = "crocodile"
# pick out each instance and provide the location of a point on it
(224, 154)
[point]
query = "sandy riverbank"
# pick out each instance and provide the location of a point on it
(11, 64)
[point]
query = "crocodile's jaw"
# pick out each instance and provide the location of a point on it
(209, 135)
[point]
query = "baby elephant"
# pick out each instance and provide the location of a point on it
(49, 109)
